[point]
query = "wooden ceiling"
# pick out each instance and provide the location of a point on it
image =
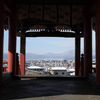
(54, 14)
(40, 14)
(33, 13)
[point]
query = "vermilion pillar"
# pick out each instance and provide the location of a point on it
(87, 44)
(22, 54)
(98, 42)
(1, 36)
(77, 53)
(12, 43)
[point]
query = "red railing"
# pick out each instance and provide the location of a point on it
(5, 67)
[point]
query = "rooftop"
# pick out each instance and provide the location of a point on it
(35, 67)
(58, 68)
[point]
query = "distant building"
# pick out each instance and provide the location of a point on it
(36, 69)
(58, 71)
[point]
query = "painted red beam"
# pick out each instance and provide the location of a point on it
(5, 62)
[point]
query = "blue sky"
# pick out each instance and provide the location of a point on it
(49, 45)
(43, 45)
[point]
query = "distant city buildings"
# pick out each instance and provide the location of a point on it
(51, 63)
(53, 67)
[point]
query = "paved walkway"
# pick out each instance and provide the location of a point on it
(49, 90)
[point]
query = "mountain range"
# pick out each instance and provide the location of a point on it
(65, 55)
(70, 54)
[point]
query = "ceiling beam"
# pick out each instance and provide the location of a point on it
(51, 34)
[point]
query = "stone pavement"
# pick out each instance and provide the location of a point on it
(37, 89)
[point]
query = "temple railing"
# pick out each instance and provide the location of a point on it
(5, 66)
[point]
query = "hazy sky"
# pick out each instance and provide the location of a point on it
(43, 45)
